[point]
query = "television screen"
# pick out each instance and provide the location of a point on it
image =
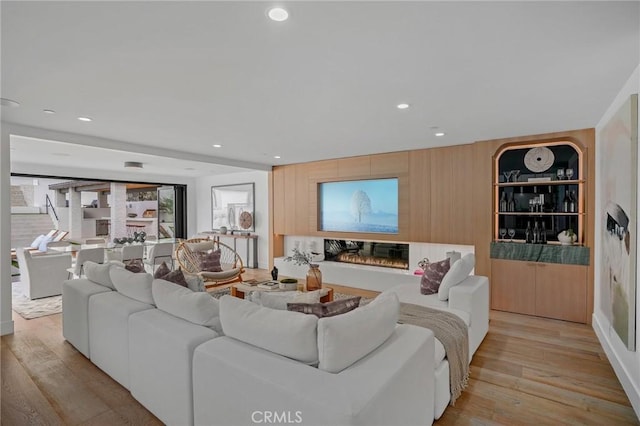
(359, 206)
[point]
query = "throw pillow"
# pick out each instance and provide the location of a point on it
(135, 286)
(434, 272)
(198, 308)
(324, 310)
(98, 273)
(162, 270)
(210, 262)
(370, 326)
(458, 272)
(194, 282)
(134, 265)
(289, 334)
(176, 277)
(43, 243)
(36, 243)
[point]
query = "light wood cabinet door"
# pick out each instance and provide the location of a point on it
(513, 286)
(561, 291)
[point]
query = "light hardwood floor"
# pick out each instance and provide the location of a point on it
(527, 371)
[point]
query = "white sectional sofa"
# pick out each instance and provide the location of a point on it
(468, 298)
(370, 371)
(162, 342)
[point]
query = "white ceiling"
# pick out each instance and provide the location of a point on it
(323, 84)
(26, 150)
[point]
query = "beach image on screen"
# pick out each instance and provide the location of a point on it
(359, 206)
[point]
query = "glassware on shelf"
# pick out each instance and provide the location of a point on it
(503, 202)
(528, 233)
(512, 233)
(507, 175)
(560, 174)
(568, 173)
(515, 174)
(502, 232)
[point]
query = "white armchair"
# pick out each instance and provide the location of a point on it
(42, 275)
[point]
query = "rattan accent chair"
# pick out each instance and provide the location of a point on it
(188, 255)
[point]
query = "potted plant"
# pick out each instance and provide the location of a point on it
(314, 275)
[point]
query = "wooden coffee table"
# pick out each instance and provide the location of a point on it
(239, 290)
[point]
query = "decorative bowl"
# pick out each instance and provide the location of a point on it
(566, 239)
(289, 284)
(132, 214)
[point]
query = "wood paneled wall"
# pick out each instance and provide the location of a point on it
(445, 193)
(434, 186)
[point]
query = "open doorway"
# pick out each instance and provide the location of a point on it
(42, 203)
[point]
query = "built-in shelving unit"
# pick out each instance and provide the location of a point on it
(534, 199)
(542, 198)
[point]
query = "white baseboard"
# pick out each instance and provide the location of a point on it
(6, 327)
(630, 388)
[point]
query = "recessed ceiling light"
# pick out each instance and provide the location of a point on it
(278, 14)
(48, 111)
(133, 164)
(439, 134)
(276, 156)
(403, 106)
(9, 103)
(217, 145)
(84, 119)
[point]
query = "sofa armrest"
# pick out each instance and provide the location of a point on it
(472, 296)
(236, 383)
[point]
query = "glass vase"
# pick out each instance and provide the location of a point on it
(314, 277)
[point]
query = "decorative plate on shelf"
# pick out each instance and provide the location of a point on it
(539, 159)
(246, 220)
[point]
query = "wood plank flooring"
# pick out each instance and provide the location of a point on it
(527, 371)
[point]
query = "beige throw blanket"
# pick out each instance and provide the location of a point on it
(452, 332)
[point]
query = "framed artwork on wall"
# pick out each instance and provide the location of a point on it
(619, 161)
(232, 207)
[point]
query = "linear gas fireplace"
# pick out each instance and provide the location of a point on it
(389, 255)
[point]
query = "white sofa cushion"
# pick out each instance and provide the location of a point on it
(290, 334)
(136, 286)
(196, 307)
(458, 272)
(344, 339)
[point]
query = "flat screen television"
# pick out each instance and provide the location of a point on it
(368, 206)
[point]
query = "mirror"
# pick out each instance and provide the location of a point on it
(232, 206)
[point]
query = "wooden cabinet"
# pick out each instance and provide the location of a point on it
(513, 286)
(548, 290)
(561, 291)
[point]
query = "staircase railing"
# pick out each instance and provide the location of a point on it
(49, 204)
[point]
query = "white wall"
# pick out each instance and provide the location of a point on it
(40, 190)
(261, 217)
(6, 321)
(625, 363)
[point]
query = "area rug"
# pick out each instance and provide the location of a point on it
(30, 309)
(336, 295)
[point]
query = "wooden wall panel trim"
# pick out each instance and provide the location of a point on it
(278, 212)
(394, 162)
(354, 166)
(420, 195)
